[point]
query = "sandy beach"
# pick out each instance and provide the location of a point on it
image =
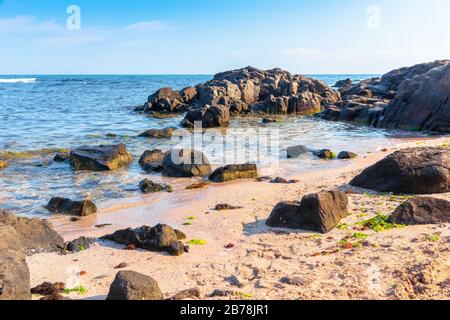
(245, 259)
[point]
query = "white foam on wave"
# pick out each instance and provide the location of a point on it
(19, 80)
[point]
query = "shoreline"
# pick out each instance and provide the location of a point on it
(260, 256)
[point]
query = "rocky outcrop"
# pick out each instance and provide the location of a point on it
(75, 208)
(14, 272)
(36, 235)
(158, 238)
(245, 90)
(101, 158)
(152, 160)
(414, 170)
(130, 285)
(422, 210)
(61, 157)
(318, 212)
(210, 117)
(344, 84)
(234, 172)
(412, 98)
(165, 133)
(147, 186)
(186, 163)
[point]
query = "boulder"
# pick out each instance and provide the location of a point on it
(344, 84)
(3, 164)
(61, 157)
(14, 272)
(186, 163)
(269, 120)
(48, 289)
(75, 208)
(346, 155)
(326, 154)
(101, 158)
(165, 100)
(422, 210)
(147, 186)
(234, 172)
(210, 117)
(80, 244)
(158, 238)
(165, 133)
(130, 285)
(296, 151)
(188, 94)
(151, 160)
(424, 170)
(318, 212)
(36, 235)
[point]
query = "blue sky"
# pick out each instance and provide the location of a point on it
(208, 36)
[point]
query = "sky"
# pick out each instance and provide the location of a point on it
(209, 36)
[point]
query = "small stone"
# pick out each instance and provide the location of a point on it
(121, 265)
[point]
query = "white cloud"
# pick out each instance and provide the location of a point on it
(28, 24)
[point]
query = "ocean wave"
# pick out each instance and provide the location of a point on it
(18, 80)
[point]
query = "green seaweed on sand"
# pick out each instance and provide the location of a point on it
(380, 223)
(78, 289)
(196, 242)
(435, 237)
(360, 235)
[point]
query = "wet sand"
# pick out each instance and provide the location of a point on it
(269, 263)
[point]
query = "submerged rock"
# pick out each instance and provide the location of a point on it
(346, 155)
(101, 158)
(234, 172)
(14, 272)
(61, 157)
(186, 163)
(210, 117)
(165, 133)
(148, 186)
(130, 285)
(422, 210)
(325, 154)
(318, 212)
(76, 208)
(36, 235)
(296, 151)
(152, 160)
(424, 170)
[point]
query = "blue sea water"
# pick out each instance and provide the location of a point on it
(39, 112)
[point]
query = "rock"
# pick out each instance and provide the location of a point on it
(36, 235)
(130, 285)
(14, 272)
(210, 117)
(188, 94)
(101, 158)
(3, 164)
(319, 212)
(325, 154)
(234, 172)
(296, 151)
(186, 163)
(121, 265)
(61, 157)
(344, 84)
(180, 235)
(269, 120)
(76, 208)
(165, 100)
(280, 180)
(177, 248)
(158, 238)
(148, 186)
(224, 207)
(235, 281)
(346, 155)
(165, 133)
(422, 210)
(48, 289)
(151, 160)
(54, 297)
(186, 294)
(424, 170)
(80, 244)
(197, 185)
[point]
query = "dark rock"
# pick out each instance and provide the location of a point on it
(280, 180)
(80, 244)
(210, 117)
(165, 100)
(148, 186)
(54, 297)
(414, 170)
(130, 285)
(269, 120)
(76, 208)
(186, 163)
(48, 289)
(422, 210)
(234, 172)
(344, 84)
(101, 158)
(151, 160)
(346, 155)
(297, 151)
(224, 207)
(186, 294)
(121, 265)
(324, 154)
(319, 212)
(177, 248)
(61, 157)
(180, 235)
(36, 235)
(14, 272)
(165, 133)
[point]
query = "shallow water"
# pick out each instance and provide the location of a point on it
(38, 112)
